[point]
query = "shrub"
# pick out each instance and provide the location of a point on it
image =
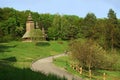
(89, 55)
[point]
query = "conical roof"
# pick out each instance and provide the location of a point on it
(26, 35)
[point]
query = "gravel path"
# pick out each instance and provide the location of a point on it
(45, 65)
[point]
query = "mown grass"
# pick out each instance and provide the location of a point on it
(16, 58)
(64, 62)
(25, 53)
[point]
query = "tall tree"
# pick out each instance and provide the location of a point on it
(89, 24)
(46, 20)
(64, 28)
(55, 30)
(100, 32)
(112, 24)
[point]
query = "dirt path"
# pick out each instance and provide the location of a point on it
(45, 65)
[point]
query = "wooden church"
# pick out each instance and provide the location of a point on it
(30, 25)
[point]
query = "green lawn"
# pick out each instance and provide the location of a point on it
(64, 62)
(16, 58)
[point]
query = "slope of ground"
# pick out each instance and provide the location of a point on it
(16, 58)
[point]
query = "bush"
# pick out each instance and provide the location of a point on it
(89, 55)
(6, 38)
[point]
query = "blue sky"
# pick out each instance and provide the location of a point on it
(71, 7)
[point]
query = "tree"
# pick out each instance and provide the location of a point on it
(67, 31)
(79, 27)
(55, 31)
(88, 25)
(52, 33)
(71, 27)
(89, 54)
(1, 14)
(64, 28)
(46, 20)
(100, 32)
(112, 29)
(10, 27)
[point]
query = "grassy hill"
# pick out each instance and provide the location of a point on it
(16, 58)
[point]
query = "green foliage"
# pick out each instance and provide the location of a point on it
(56, 27)
(65, 62)
(89, 25)
(51, 33)
(36, 35)
(105, 31)
(91, 55)
(90, 20)
(9, 23)
(63, 27)
(112, 30)
(46, 20)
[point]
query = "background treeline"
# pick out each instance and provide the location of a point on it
(105, 31)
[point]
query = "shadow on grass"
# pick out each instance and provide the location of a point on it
(8, 72)
(42, 44)
(10, 59)
(5, 48)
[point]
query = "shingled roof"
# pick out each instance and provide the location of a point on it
(26, 35)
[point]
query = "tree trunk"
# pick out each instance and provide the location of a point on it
(112, 41)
